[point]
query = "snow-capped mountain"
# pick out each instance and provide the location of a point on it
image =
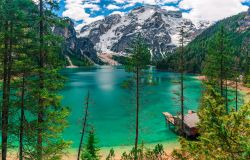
(159, 27)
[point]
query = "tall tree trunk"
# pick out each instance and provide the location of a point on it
(221, 61)
(22, 120)
(5, 105)
(236, 93)
(41, 87)
(182, 80)
(226, 95)
(7, 62)
(84, 126)
(221, 77)
(137, 113)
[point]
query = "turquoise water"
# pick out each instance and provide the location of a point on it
(112, 107)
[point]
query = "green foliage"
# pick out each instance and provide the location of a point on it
(157, 153)
(81, 62)
(139, 57)
(218, 63)
(222, 135)
(23, 31)
(169, 63)
(91, 150)
(246, 63)
(197, 49)
(111, 155)
(137, 63)
(120, 59)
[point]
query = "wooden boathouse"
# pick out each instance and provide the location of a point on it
(190, 123)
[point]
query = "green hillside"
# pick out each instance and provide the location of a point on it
(237, 32)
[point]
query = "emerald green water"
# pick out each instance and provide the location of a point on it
(112, 107)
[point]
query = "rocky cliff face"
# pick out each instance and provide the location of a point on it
(244, 23)
(78, 47)
(159, 28)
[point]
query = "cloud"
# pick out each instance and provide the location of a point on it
(117, 12)
(76, 10)
(93, 7)
(113, 7)
(211, 10)
(120, 1)
(170, 8)
(88, 11)
(88, 21)
(153, 2)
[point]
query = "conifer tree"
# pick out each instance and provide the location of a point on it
(84, 124)
(236, 79)
(41, 81)
(91, 150)
(218, 63)
(111, 155)
(246, 62)
(181, 70)
(222, 135)
(7, 32)
(49, 111)
(137, 62)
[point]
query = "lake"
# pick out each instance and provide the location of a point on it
(112, 105)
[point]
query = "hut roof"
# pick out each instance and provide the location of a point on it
(191, 119)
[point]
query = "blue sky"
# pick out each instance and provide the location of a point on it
(87, 11)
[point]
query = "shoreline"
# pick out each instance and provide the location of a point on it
(243, 89)
(119, 150)
(71, 154)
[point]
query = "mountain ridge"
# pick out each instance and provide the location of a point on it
(237, 31)
(78, 47)
(159, 28)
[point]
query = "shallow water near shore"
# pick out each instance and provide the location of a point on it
(112, 105)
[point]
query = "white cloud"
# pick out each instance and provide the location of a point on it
(75, 9)
(129, 5)
(120, 1)
(170, 8)
(88, 21)
(93, 7)
(112, 7)
(152, 2)
(92, 19)
(118, 12)
(211, 10)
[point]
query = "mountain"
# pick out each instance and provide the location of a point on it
(237, 32)
(81, 49)
(160, 28)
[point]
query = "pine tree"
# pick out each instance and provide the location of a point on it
(7, 31)
(91, 150)
(236, 79)
(246, 62)
(137, 62)
(49, 110)
(31, 82)
(218, 63)
(84, 124)
(181, 70)
(42, 55)
(222, 135)
(111, 155)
